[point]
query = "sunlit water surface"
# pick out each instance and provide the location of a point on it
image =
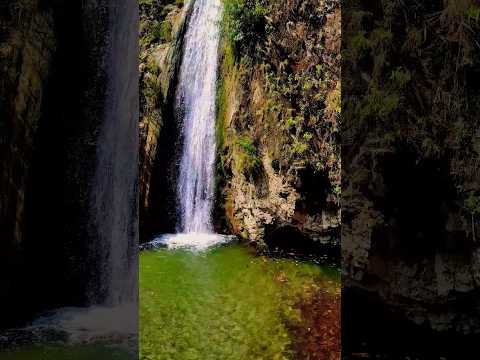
(222, 303)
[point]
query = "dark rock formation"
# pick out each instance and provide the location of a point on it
(27, 43)
(159, 134)
(410, 168)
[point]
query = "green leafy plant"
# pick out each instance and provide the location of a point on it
(243, 22)
(246, 156)
(163, 31)
(400, 77)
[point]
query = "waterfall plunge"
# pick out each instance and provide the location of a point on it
(195, 108)
(195, 103)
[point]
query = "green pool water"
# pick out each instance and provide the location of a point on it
(225, 303)
(79, 352)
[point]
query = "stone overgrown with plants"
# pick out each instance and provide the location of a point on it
(279, 92)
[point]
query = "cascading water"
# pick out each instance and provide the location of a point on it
(101, 304)
(195, 110)
(195, 103)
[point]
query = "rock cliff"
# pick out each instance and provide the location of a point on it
(27, 42)
(277, 126)
(161, 38)
(410, 192)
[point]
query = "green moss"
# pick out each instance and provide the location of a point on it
(378, 105)
(473, 13)
(299, 148)
(162, 31)
(245, 156)
(227, 71)
(151, 86)
(358, 46)
(225, 91)
(221, 114)
(400, 77)
(154, 28)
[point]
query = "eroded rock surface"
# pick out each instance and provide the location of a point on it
(279, 163)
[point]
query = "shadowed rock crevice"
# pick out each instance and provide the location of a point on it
(416, 203)
(161, 215)
(289, 241)
(159, 131)
(410, 170)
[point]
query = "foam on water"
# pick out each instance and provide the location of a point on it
(195, 112)
(69, 327)
(84, 325)
(192, 241)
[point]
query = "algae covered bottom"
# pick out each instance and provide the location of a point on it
(224, 303)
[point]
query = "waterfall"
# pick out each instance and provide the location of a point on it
(195, 104)
(195, 111)
(114, 188)
(96, 269)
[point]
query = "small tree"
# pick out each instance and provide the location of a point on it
(472, 205)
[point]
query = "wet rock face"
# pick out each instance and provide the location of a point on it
(279, 163)
(159, 63)
(406, 239)
(27, 43)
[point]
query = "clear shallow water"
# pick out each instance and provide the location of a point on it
(103, 333)
(223, 303)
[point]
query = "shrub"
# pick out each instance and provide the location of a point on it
(243, 23)
(246, 156)
(163, 31)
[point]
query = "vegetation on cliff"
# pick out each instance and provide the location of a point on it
(411, 70)
(411, 80)
(156, 24)
(161, 25)
(278, 111)
(410, 155)
(293, 68)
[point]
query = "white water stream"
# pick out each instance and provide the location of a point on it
(195, 104)
(195, 108)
